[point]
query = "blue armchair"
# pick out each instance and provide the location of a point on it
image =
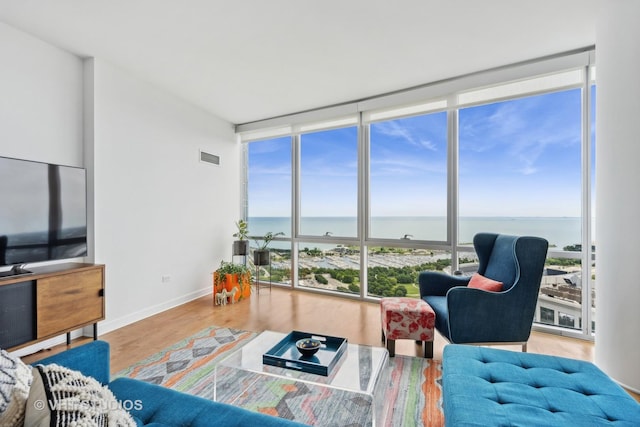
(475, 316)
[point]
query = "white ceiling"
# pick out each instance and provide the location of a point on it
(246, 60)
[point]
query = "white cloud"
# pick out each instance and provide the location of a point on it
(393, 129)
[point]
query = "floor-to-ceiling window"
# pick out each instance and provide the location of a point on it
(328, 250)
(520, 173)
(407, 199)
(404, 188)
(269, 179)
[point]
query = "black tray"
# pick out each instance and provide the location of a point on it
(286, 355)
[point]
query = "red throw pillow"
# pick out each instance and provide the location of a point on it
(480, 282)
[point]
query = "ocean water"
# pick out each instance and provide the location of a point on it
(560, 232)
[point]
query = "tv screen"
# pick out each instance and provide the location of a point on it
(43, 212)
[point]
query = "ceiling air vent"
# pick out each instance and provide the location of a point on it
(209, 158)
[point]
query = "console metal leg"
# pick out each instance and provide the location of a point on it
(68, 338)
(95, 331)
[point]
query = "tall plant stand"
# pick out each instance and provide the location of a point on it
(261, 259)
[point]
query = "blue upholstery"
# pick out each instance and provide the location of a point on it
(491, 387)
(153, 405)
(469, 315)
(161, 406)
(92, 359)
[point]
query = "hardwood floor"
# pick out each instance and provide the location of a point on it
(284, 310)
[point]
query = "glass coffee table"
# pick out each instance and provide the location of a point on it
(352, 394)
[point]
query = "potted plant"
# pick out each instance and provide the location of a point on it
(229, 276)
(241, 245)
(261, 253)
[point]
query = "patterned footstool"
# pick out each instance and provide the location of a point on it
(407, 318)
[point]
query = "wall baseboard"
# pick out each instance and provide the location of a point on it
(113, 324)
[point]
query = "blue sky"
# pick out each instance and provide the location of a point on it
(329, 173)
(516, 158)
(270, 177)
(409, 166)
(521, 157)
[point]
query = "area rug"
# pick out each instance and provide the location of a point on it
(413, 391)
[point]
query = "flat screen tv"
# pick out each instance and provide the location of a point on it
(43, 213)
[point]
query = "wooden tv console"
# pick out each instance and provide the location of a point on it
(53, 300)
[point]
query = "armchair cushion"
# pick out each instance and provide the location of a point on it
(478, 281)
(502, 264)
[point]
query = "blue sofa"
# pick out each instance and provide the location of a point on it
(492, 387)
(159, 406)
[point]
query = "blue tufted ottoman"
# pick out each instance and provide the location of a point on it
(491, 387)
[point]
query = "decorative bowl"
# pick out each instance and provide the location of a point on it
(308, 346)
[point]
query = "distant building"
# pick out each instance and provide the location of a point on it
(560, 300)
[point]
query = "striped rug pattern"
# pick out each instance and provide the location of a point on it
(413, 391)
(416, 392)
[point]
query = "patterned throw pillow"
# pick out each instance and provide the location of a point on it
(15, 381)
(62, 397)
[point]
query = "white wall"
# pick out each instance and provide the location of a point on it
(158, 210)
(617, 188)
(40, 100)
(41, 118)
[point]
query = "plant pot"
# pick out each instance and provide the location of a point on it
(218, 282)
(240, 247)
(261, 257)
(245, 285)
(230, 282)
